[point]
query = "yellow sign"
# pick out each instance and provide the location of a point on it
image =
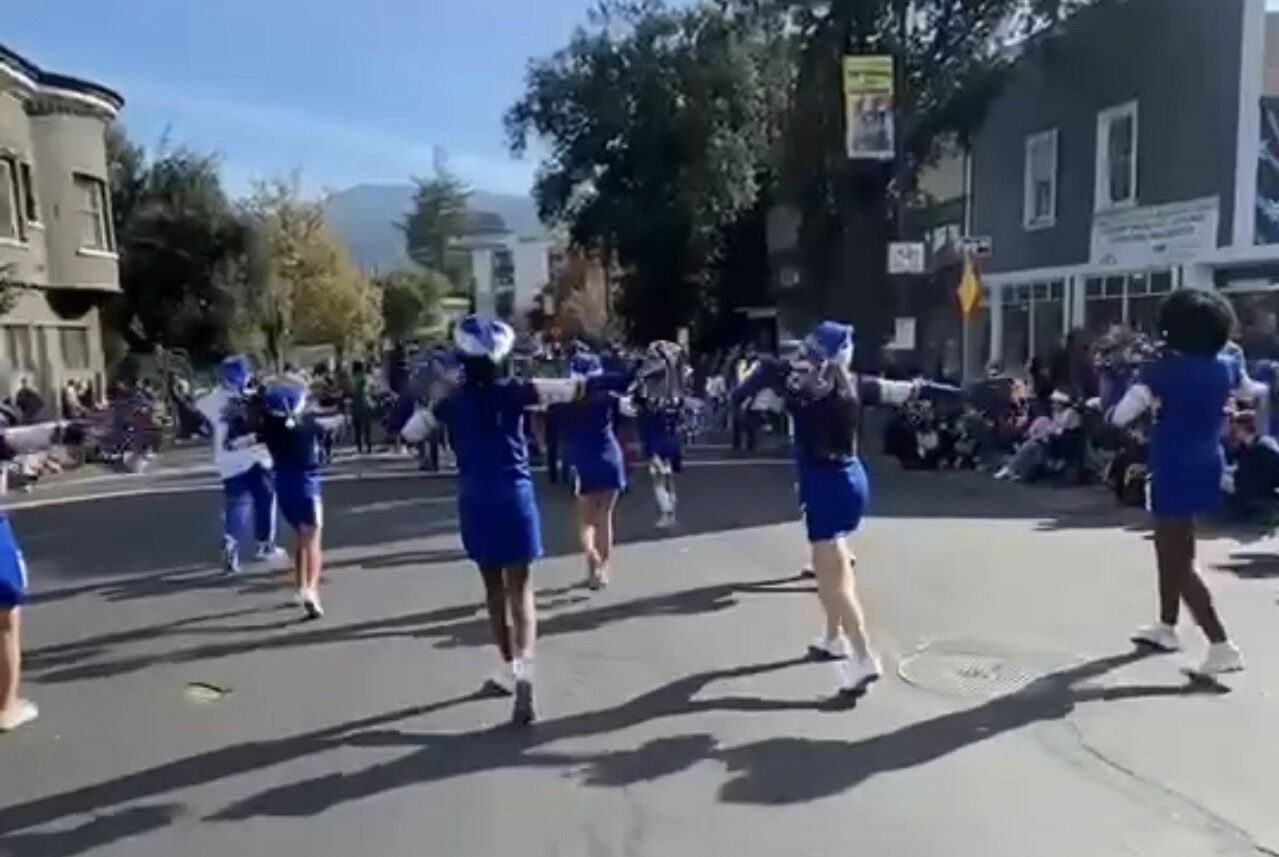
(869, 108)
(969, 290)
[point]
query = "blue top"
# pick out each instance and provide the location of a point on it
(295, 450)
(1192, 393)
(588, 425)
(486, 423)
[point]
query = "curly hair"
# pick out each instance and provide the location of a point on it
(1196, 321)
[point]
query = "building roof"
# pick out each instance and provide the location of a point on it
(52, 84)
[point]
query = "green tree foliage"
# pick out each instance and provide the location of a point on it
(180, 241)
(660, 124)
(437, 218)
(410, 300)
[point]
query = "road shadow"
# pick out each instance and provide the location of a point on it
(99, 831)
(1251, 565)
(445, 628)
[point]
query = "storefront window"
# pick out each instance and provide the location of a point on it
(1033, 318)
(1132, 300)
(1258, 329)
(1049, 317)
(1015, 313)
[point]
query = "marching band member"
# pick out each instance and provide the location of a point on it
(244, 465)
(294, 436)
(825, 400)
(597, 460)
(1191, 381)
(659, 405)
(497, 507)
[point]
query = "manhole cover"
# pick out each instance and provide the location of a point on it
(203, 693)
(976, 669)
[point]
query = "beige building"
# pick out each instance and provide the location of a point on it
(56, 238)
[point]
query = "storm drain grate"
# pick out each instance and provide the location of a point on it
(978, 670)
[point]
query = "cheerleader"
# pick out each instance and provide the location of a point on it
(659, 407)
(294, 436)
(596, 456)
(824, 400)
(497, 507)
(244, 465)
(1190, 382)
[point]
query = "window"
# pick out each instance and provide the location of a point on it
(26, 183)
(95, 226)
(75, 347)
(1131, 300)
(1034, 319)
(10, 222)
(1117, 157)
(17, 340)
(1040, 205)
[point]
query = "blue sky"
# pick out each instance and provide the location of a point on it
(346, 92)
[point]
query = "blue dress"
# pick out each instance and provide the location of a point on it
(497, 507)
(13, 571)
(592, 443)
(1186, 459)
(296, 452)
(659, 421)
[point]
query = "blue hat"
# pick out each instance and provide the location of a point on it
(831, 341)
(233, 372)
(584, 364)
(479, 336)
(285, 398)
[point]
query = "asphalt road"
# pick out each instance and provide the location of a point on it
(677, 715)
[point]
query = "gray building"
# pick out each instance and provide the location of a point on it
(56, 239)
(1120, 162)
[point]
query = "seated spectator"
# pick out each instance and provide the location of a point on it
(1253, 486)
(28, 401)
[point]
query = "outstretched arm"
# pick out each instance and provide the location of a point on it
(1135, 402)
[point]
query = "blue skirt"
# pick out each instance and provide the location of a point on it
(13, 571)
(600, 470)
(500, 525)
(1187, 486)
(833, 496)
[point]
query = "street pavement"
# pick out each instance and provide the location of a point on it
(187, 715)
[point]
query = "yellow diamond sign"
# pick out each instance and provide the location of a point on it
(969, 290)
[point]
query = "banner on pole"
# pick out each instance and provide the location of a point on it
(869, 108)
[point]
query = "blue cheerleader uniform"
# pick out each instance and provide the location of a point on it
(1186, 458)
(592, 442)
(659, 423)
(296, 452)
(13, 570)
(497, 506)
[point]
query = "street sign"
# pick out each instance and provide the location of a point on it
(977, 246)
(906, 257)
(969, 290)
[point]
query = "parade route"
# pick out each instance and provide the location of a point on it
(185, 714)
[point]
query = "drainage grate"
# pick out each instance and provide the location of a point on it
(974, 669)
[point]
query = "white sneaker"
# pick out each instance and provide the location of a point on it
(274, 556)
(311, 604)
(523, 713)
(666, 521)
(1003, 473)
(502, 680)
(829, 648)
(1222, 658)
(21, 713)
(856, 674)
(299, 597)
(1158, 636)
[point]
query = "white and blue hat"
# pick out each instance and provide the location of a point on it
(831, 341)
(480, 336)
(286, 399)
(233, 372)
(584, 364)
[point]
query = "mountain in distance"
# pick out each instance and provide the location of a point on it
(364, 218)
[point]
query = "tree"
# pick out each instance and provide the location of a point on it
(180, 241)
(302, 286)
(951, 59)
(410, 300)
(437, 218)
(661, 124)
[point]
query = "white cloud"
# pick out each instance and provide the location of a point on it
(258, 139)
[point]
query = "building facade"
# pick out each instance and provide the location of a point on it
(508, 271)
(56, 240)
(1121, 162)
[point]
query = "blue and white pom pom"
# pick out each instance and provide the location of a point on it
(584, 364)
(479, 336)
(831, 342)
(233, 372)
(286, 400)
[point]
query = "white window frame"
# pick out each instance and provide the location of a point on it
(1105, 119)
(103, 212)
(9, 186)
(30, 200)
(1029, 220)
